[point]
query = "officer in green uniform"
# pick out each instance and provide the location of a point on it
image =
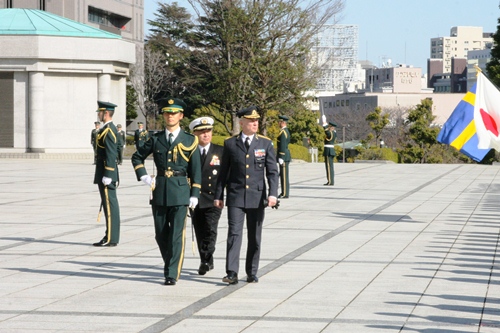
(121, 145)
(284, 156)
(106, 173)
(140, 136)
(176, 186)
(93, 138)
(329, 151)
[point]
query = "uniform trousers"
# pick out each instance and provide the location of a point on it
(205, 222)
(329, 170)
(285, 181)
(111, 212)
(255, 220)
(170, 235)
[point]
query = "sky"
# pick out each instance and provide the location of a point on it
(400, 30)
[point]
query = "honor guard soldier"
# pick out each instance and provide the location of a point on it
(205, 217)
(121, 146)
(93, 138)
(248, 160)
(140, 136)
(329, 151)
(106, 174)
(175, 187)
(284, 156)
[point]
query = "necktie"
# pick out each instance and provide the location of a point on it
(247, 143)
(170, 136)
(203, 155)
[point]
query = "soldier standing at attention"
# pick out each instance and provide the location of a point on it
(93, 138)
(248, 160)
(284, 156)
(329, 151)
(205, 217)
(106, 174)
(121, 146)
(140, 136)
(176, 186)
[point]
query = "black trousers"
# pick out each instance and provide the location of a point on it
(255, 220)
(205, 222)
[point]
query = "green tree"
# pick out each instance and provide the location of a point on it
(304, 123)
(377, 122)
(246, 52)
(420, 136)
(493, 66)
(131, 112)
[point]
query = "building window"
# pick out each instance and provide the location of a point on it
(347, 103)
(342, 103)
(337, 103)
(103, 17)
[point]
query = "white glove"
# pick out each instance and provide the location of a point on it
(146, 179)
(106, 180)
(193, 202)
(323, 119)
(280, 161)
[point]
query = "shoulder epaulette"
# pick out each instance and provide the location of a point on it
(264, 137)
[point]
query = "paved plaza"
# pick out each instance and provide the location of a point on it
(389, 248)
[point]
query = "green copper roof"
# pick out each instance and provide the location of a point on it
(18, 21)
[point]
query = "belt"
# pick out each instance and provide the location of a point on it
(329, 146)
(171, 173)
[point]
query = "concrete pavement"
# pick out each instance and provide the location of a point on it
(389, 248)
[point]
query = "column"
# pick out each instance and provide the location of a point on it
(104, 87)
(36, 129)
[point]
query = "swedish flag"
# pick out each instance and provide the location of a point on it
(459, 131)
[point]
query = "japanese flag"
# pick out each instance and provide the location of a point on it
(487, 113)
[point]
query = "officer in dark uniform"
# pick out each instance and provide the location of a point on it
(93, 138)
(284, 156)
(248, 160)
(329, 151)
(140, 136)
(106, 174)
(205, 217)
(121, 146)
(176, 186)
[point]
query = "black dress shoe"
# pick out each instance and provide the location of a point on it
(170, 282)
(252, 278)
(231, 278)
(204, 268)
(328, 184)
(104, 243)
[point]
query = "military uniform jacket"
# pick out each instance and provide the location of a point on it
(282, 142)
(243, 174)
(107, 153)
(178, 175)
(93, 137)
(140, 137)
(330, 136)
(209, 173)
(121, 135)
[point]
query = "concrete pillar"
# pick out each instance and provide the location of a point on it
(104, 87)
(36, 112)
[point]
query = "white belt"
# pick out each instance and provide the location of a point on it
(329, 146)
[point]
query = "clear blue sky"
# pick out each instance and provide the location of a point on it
(401, 30)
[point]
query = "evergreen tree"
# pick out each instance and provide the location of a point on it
(493, 66)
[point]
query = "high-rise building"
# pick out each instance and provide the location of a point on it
(123, 17)
(460, 41)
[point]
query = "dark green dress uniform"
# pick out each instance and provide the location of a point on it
(121, 136)
(329, 152)
(107, 153)
(284, 153)
(93, 139)
(140, 137)
(178, 178)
